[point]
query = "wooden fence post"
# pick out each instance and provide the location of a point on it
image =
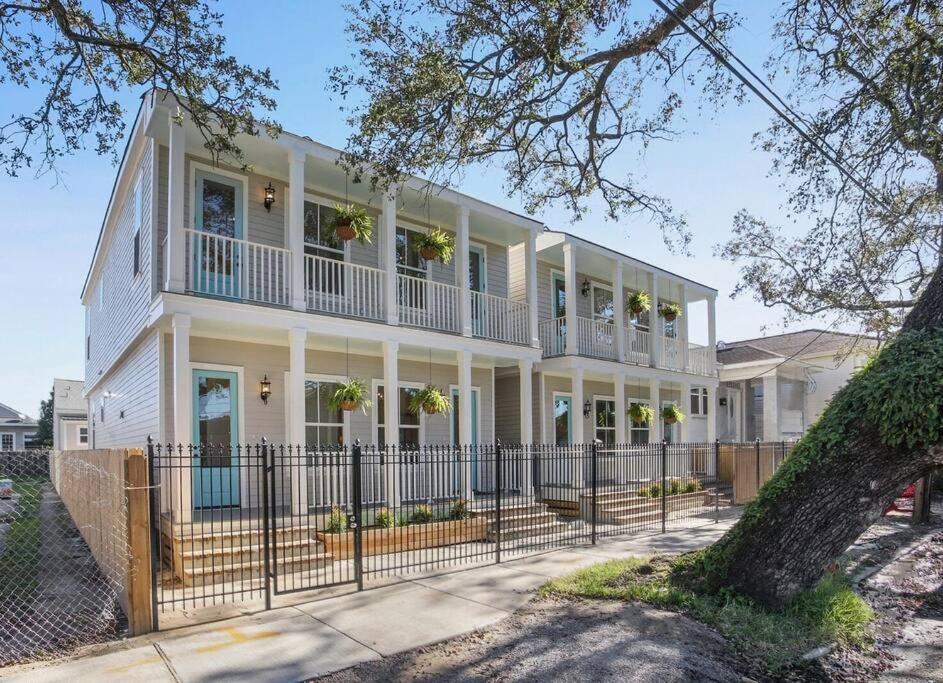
(137, 491)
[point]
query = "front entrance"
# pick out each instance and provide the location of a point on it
(562, 420)
(558, 303)
(216, 250)
(215, 436)
(474, 431)
(476, 282)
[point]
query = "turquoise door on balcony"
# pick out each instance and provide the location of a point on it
(215, 437)
(219, 224)
(477, 283)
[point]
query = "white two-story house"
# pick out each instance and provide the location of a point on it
(211, 282)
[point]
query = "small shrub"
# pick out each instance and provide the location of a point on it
(693, 486)
(459, 510)
(402, 519)
(435, 244)
(675, 486)
(422, 514)
(385, 519)
(655, 491)
(337, 522)
(644, 492)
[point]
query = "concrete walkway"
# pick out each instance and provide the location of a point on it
(314, 638)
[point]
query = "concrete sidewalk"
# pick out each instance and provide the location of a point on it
(315, 638)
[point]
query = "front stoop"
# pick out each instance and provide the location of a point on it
(523, 520)
(626, 508)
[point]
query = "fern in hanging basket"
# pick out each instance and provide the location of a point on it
(350, 396)
(638, 303)
(435, 245)
(671, 414)
(352, 222)
(429, 400)
(641, 413)
(670, 311)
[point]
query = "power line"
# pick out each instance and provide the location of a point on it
(848, 173)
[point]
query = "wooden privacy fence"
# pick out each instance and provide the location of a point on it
(106, 494)
(752, 465)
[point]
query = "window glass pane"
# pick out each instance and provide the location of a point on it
(219, 208)
(695, 402)
(409, 436)
(331, 434)
(559, 297)
(215, 415)
(408, 261)
(561, 420)
(406, 417)
(602, 305)
(704, 401)
(327, 236)
(325, 414)
(605, 413)
(311, 401)
(474, 271)
(6, 442)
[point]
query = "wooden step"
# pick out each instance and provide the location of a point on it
(237, 554)
(518, 521)
(252, 569)
(542, 529)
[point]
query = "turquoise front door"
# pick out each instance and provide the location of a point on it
(215, 436)
(217, 247)
(474, 431)
(562, 420)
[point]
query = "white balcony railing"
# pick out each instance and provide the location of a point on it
(237, 269)
(552, 334)
(342, 288)
(423, 303)
(495, 317)
(596, 338)
(637, 346)
(700, 360)
(671, 354)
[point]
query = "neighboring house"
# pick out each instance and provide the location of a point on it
(17, 430)
(208, 281)
(775, 387)
(69, 415)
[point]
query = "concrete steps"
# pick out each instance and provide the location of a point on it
(522, 520)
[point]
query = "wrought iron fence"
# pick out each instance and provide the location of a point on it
(246, 522)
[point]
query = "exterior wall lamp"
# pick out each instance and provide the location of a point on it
(269, 197)
(265, 389)
(584, 289)
(587, 408)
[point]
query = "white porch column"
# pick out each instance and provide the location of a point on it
(770, 408)
(683, 331)
(576, 389)
(569, 273)
(621, 434)
(174, 269)
(391, 418)
(654, 398)
(712, 332)
(465, 416)
(525, 372)
(618, 308)
(297, 337)
(388, 255)
(656, 326)
(712, 416)
(296, 226)
(461, 269)
(530, 273)
(684, 403)
(181, 504)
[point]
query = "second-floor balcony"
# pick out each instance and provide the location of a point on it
(242, 270)
(597, 339)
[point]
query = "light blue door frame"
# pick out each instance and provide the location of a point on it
(569, 420)
(215, 437)
(217, 263)
(474, 426)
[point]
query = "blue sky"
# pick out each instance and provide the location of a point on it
(48, 230)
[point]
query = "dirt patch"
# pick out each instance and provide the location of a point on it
(567, 641)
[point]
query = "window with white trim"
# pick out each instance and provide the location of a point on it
(605, 420)
(323, 425)
(699, 401)
(83, 435)
(603, 310)
(639, 433)
(408, 260)
(6, 442)
(408, 423)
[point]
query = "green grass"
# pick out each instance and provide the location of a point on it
(19, 563)
(831, 612)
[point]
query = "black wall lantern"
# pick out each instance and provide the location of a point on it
(584, 290)
(269, 196)
(587, 408)
(265, 389)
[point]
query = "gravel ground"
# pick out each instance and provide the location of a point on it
(567, 641)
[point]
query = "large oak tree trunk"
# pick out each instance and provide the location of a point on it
(846, 470)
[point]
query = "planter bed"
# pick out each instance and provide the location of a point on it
(410, 537)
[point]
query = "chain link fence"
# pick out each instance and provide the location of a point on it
(55, 596)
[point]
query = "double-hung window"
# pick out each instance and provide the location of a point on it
(325, 272)
(410, 263)
(323, 425)
(606, 421)
(699, 401)
(639, 432)
(6, 442)
(408, 426)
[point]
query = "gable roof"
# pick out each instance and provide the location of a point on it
(10, 416)
(804, 343)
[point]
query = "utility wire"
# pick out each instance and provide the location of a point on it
(766, 99)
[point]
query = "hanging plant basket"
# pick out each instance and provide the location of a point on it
(436, 245)
(638, 303)
(672, 414)
(352, 222)
(670, 312)
(350, 395)
(640, 413)
(429, 400)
